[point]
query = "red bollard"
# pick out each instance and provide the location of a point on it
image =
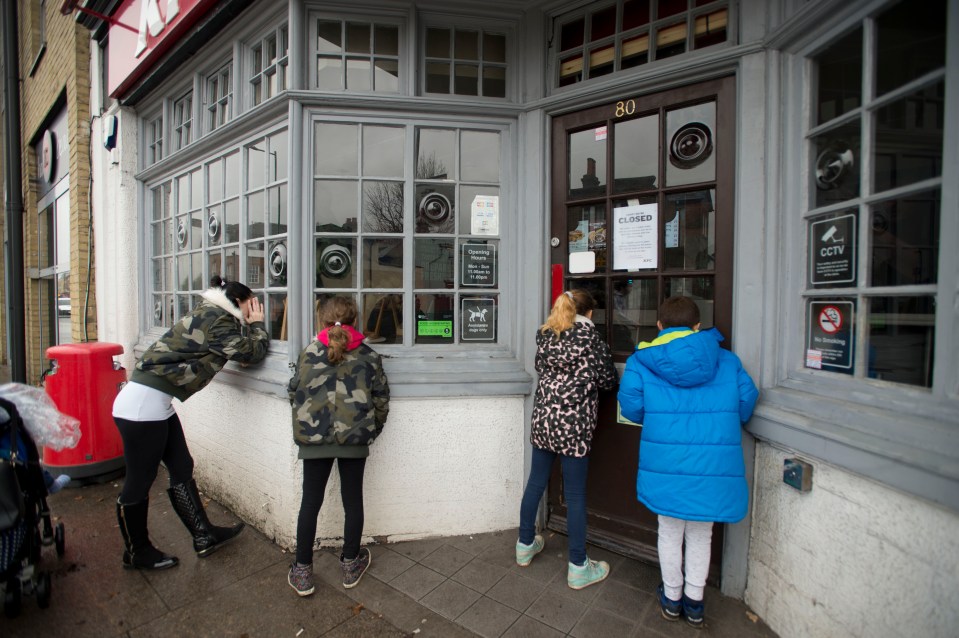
(83, 381)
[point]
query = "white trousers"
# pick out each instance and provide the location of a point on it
(698, 535)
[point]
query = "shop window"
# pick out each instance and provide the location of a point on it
(874, 216)
(219, 97)
(465, 62)
(269, 65)
(415, 240)
(226, 216)
(356, 55)
(182, 121)
(53, 261)
(596, 42)
(154, 140)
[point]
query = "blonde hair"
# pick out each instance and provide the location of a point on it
(565, 308)
(336, 313)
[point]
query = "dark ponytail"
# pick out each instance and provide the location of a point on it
(338, 312)
(234, 290)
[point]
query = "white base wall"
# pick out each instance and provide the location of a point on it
(849, 558)
(441, 467)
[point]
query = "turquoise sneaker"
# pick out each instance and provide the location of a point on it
(525, 553)
(582, 576)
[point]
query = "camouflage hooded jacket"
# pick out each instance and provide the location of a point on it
(338, 409)
(185, 359)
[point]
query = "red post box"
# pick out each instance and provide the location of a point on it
(83, 381)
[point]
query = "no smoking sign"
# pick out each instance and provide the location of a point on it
(830, 345)
(830, 319)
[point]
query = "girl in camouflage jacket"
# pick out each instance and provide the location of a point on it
(573, 363)
(340, 398)
(179, 364)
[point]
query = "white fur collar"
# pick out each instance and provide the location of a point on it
(218, 298)
(582, 319)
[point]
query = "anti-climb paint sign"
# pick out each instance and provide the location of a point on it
(832, 251)
(829, 336)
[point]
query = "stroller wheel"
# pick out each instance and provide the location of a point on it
(12, 598)
(58, 539)
(43, 590)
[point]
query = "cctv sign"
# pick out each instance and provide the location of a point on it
(832, 251)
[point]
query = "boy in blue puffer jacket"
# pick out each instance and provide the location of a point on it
(692, 398)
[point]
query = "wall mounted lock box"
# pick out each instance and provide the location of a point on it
(797, 474)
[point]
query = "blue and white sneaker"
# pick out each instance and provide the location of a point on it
(694, 610)
(672, 609)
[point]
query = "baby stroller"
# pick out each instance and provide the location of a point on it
(21, 537)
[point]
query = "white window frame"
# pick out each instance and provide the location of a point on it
(383, 18)
(155, 141)
(898, 434)
(177, 127)
(264, 73)
(221, 103)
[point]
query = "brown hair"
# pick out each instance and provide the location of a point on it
(565, 308)
(678, 312)
(338, 310)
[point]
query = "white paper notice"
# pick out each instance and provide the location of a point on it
(485, 215)
(635, 245)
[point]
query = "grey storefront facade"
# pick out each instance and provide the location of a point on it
(790, 165)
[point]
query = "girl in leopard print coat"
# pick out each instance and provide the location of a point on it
(574, 363)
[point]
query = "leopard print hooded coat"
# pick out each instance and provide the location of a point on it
(572, 370)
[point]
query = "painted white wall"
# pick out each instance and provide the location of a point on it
(849, 558)
(442, 467)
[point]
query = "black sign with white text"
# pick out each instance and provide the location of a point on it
(829, 336)
(478, 265)
(832, 251)
(478, 321)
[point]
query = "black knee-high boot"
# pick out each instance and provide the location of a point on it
(139, 552)
(207, 537)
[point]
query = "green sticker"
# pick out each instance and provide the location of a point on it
(434, 328)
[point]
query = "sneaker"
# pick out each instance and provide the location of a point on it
(581, 576)
(694, 611)
(353, 570)
(672, 609)
(301, 578)
(525, 553)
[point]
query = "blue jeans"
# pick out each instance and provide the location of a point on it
(574, 489)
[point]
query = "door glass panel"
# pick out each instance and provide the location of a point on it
(905, 240)
(689, 227)
(635, 305)
(334, 262)
(586, 228)
(901, 339)
(587, 163)
(700, 289)
(433, 263)
(596, 286)
(383, 207)
(434, 318)
(908, 143)
(836, 168)
(382, 263)
(383, 318)
(690, 135)
(636, 154)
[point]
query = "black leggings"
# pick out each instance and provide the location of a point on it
(145, 444)
(316, 472)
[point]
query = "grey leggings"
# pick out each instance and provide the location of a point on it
(145, 445)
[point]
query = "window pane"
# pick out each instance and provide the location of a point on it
(466, 80)
(636, 154)
(256, 209)
(635, 52)
(433, 263)
(231, 264)
(587, 153)
(256, 165)
(277, 164)
(342, 137)
(197, 260)
(601, 61)
(603, 23)
(335, 205)
(277, 264)
(434, 318)
(689, 135)
(183, 272)
(278, 317)
(329, 74)
(334, 262)
(386, 40)
(231, 217)
(571, 70)
(437, 77)
(329, 37)
(699, 289)
(911, 41)
(840, 77)
(710, 29)
(494, 81)
(215, 179)
(586, 228)
(196, 230)
(901, 339)
(670, 7)
(276, 209)
(386, 75)
(435, 154)
(494, 47)
(905, 240)
(382, 318)
(215, 262)
(383, 207)
(671, 40)
(634, 309)
(908, 146)
(479, 156)
(438, 43)
(836, 168)
(434, 208)
(484, 221)
(689, 230)
(183, 194)
(571, 35)
(383, 263)
(46, 231)
(383, 148)
(255, 274)
(466, 45)
(359, 75)
(232, 173)
(635, 13)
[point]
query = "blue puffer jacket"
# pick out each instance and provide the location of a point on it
(692, 398)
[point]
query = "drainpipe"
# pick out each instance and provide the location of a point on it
(13, 205)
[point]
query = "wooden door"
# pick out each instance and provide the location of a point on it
(642, 208)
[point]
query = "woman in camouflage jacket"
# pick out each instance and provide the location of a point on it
(340, 399)
(181, 363)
